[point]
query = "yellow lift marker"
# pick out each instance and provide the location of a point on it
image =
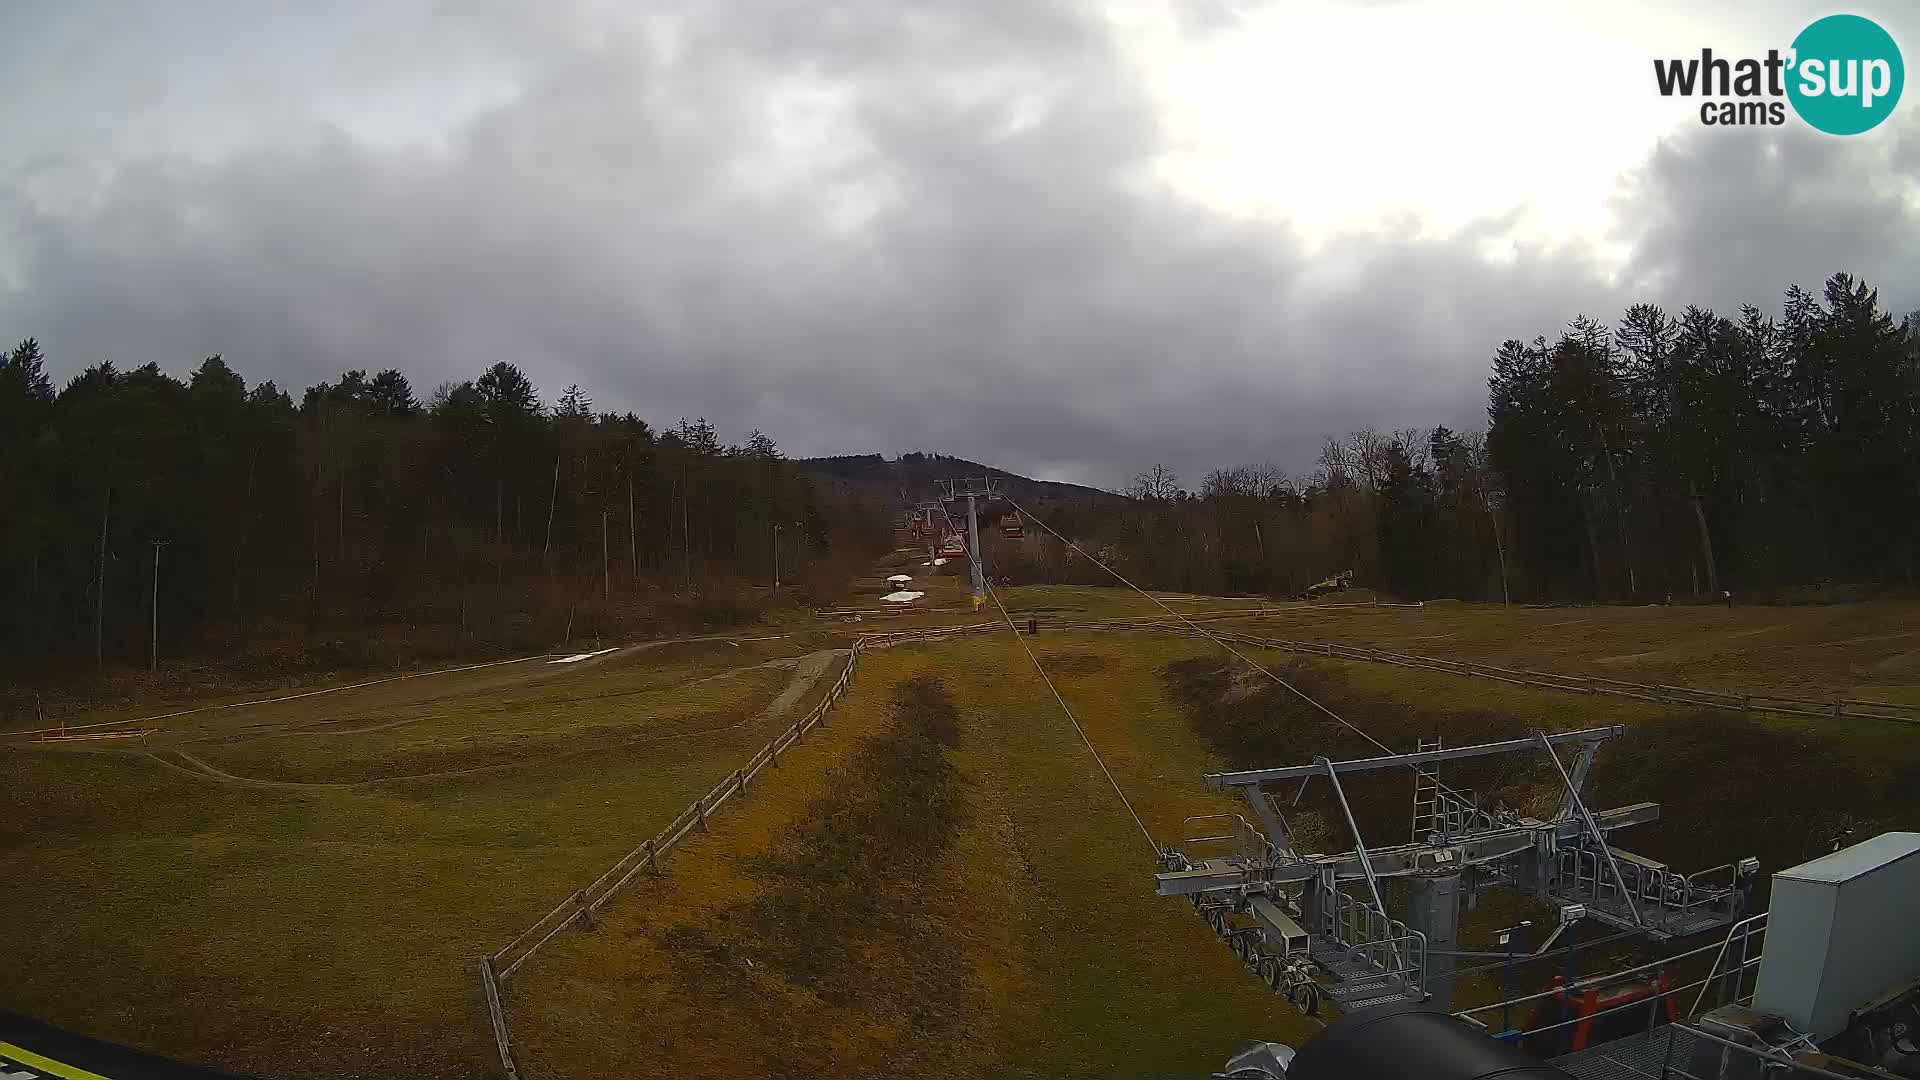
(33, 1066)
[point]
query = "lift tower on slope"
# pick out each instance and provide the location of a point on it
(973, 490)
(1318, 925)
(924, 518)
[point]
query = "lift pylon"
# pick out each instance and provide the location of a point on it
(973, 490)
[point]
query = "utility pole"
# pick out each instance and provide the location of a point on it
(606, 574)
(776, 556)
(153, 653)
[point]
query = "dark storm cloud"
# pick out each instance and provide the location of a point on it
(1728, 217)
(969, 260)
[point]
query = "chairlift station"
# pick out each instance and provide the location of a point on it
(1314, 924)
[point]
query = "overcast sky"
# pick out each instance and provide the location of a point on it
(1066, 239)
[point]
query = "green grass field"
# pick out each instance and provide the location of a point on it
(320, 914)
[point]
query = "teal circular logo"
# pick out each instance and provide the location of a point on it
(1846, 75)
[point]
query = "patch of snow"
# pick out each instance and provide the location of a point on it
(577, 657)
(899, 579)
(902, 597)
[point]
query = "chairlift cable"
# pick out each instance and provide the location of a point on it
(1071, 719)
(1296, 691)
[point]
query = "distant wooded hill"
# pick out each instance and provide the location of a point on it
(912, 477)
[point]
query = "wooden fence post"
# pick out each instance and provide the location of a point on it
(497, 1016)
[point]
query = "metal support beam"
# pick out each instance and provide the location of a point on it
(972, 490)
(1433, 908)
(1402, 860)
(1281, 932)
(1582, 765)
(973, 551)
(1270, 819)
(1593, 828)
(1360, 849)
(1217, 781)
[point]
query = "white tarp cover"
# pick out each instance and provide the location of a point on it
(902, 597)
(899, 579)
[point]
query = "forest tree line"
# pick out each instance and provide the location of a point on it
(1668, 456)
(481, 509)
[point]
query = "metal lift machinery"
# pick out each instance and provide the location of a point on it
(1318, 927)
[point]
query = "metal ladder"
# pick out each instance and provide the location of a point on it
(1426, 794)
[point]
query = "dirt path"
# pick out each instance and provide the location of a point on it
(776, 662)
(311, 711)
(200, 770)
(807, 671)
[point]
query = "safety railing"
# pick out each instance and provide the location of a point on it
(1249, 845)
(1745, 940)
(1582, 872)
(1454, 813)
(1689, 1051)
(1692, 1053)
(1363, 931)
(1728, 979)
(1652, 1005)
